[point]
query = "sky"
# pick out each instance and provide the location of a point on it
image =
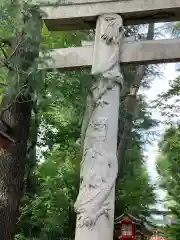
(159, 85)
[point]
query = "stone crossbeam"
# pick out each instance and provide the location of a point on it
(149, 52)
(82, 14)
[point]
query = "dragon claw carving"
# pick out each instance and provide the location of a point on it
(89, 220)
(101, 102)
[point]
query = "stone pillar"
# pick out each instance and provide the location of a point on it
(95, 202)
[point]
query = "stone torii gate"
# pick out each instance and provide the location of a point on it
(95, 203)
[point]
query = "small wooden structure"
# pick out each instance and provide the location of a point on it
(129, 227)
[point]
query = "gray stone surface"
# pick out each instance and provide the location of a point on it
(95, 201)
(83, 15)
(159, 51)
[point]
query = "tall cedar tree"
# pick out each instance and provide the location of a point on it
(15, 117)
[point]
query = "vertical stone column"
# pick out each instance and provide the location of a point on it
(95, 202)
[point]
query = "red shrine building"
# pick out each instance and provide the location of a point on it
(129, 227)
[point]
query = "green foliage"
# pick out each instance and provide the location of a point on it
(134, 189)
(168, 102)
(168, 167)
(59, 100)
(58, 174)
(172, 232)
(168, 162)
(49, 214)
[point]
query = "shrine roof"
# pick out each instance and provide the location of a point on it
(131, 217)
(147, 225)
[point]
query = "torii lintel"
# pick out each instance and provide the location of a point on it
(138, 52)
(82, 14)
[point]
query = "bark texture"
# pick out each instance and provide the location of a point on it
(130, 102)
(16, 114)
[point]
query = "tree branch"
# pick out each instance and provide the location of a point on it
(6, 41)
(4, 109)
(3, 84)
(3, 51)
(4, 61)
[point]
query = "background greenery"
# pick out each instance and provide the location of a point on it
(53, 153)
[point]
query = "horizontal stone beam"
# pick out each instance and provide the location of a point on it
(140, 52)
(82, 14)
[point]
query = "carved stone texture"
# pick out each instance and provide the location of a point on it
(95, 202)
(137, 52)
(82, 14)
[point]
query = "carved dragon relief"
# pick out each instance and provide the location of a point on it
(99, 167)
(100, 126)
(98, 174)
(95, 99)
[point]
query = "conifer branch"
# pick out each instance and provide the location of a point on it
(6, 41)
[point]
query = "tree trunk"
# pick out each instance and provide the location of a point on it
(95, 202)
(131, 101)
(16, 115)
(12, 166)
